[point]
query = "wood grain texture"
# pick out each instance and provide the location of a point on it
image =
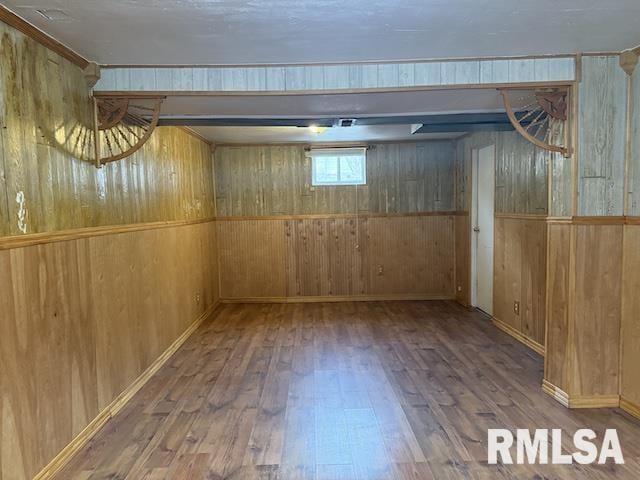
(558, 306)
(338, 77)
(601, 137)
(337, 257)
(634, 163)
(597, 314)
(630, 332)
(44, 143)
(462, 249)
(276, 180)
(353, 391)
(521, 173)
(520, 262)
(82, 319)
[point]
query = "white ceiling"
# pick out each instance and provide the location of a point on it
(355, 134)
(295, 31)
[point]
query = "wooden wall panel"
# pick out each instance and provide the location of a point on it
(45, 121)
(252, 258)
(276, 180)
(630, 384)
(601, 136)
(598, 271)
(371, 256)
(634, 164)
(559, 292)
(358, 76)
(323, 256)
(521, 173)
(81, 320)
(410, 255)
(520, 252)
(463, 258)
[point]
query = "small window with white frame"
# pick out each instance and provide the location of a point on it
(338, 166)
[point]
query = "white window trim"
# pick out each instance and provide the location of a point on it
(318, 152)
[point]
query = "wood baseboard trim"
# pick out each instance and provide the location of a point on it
(509, 330)
(67, 453)
(596, 401)
(337, 298)
(20, 241)
(630, 407)
(557, 393)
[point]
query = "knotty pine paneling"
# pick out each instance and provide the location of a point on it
(336, 256)
(520, 254)
(276, 180)
(45, 140)
(630, 358)
(81, 320)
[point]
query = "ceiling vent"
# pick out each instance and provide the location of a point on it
(346, 122)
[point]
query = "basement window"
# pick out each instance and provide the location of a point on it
(338, 166)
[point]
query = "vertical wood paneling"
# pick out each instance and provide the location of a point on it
(81, 320)
(343, 76)
(557, 355)
(252, 258)
(410, 255)
(598, 310)
(601, 136)
(45, 120)
(520, 250)
(634, 164)
(276, 180)
(463, 259)
(630, 359)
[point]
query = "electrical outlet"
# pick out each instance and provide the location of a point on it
(198, 298)
(516, 308)
(380, 269)
(459, 288)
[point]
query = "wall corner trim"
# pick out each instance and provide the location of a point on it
(67, 453)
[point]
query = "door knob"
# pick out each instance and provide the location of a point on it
(476, 229)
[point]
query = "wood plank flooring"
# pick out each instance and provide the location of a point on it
(351, 391)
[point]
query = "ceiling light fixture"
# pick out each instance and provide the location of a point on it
(316, 130)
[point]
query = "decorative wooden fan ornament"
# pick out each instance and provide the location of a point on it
(123, 125)
(542, 117)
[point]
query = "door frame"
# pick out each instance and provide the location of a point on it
(473, 217)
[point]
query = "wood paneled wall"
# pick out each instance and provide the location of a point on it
(630, 332)
(85, 311)
(276, 180)
(81, 320)
(601, 136)
(520, 263)
(45, 137)
(377, 257)
(521, 200)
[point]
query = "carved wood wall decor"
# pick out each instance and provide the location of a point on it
(541, 116)
(123, 125)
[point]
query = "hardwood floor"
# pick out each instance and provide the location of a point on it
(352, 391)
